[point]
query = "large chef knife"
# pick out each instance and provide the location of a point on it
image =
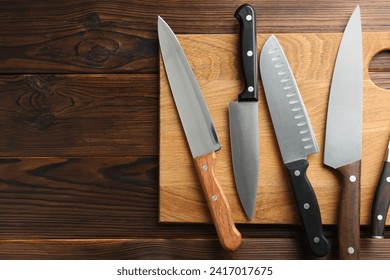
(295, 137)
(381, 202)
(343, 140)
(243, 116)
(200, 132)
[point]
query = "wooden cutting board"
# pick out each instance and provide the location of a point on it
(215, 62)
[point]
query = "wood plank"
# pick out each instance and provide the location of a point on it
(119, 249)
(78, 115)
(120, 36)
(78, 197)
(216, 73)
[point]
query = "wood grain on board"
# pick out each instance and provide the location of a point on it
(311, 56)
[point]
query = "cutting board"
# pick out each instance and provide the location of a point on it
(215, 62)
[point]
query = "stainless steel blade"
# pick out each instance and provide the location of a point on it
(343, 141)
(194, 115)
(243, 118)
(292, 126)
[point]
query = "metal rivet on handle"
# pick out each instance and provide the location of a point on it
(214, 197)
(249, 53)
(379, 217)
(352, 178)
(248, 18)
(388, 179)
(350, 250)
(251, 89)
(306, 206)
(297, 173)
(316, 239)
(205, 167)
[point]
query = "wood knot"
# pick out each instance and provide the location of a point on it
(91, 20)
(45, 120)
(38, 83)
(98, 53)
(98, 49)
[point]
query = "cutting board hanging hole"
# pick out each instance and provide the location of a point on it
(379, 69)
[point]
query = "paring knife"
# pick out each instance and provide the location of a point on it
(381, 202)
(343, 140)
(200, 132)
(295, 137)
(243, 116)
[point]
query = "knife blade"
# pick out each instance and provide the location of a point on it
(381, 202)
(243, 116)
(200, 132)
(343, 140)
(295, 138)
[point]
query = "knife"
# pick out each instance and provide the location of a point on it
(243, 116)
(381, 202)
(343, 140)
(200, 133)
(295, 137)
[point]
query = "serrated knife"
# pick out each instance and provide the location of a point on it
(295, 137)
(243, 115)
(200, 132)
(381, 202)
(343, 139)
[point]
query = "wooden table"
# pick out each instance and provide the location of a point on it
(79, 116)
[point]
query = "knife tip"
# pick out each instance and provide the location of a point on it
(160, 20)
(357, 9)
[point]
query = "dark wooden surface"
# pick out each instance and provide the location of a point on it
(79, 112)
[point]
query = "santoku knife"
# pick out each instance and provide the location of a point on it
(295, 137)
(200, 132)
(343, 140)
(381, 202)
(243, 116)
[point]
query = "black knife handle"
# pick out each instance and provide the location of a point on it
(380, 204)
(308, 208)
(247, 17)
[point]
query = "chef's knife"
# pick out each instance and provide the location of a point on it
(200, 132)
(295, 137)
(381, 202)
(243, 116)
(343, 140)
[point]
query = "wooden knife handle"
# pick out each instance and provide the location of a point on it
(349, 212)
(229, 236)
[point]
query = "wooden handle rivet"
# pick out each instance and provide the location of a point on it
(351, 250)
(379, 217)
(297, 173)
(205, 167)
(352, 178)
(214, 197)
